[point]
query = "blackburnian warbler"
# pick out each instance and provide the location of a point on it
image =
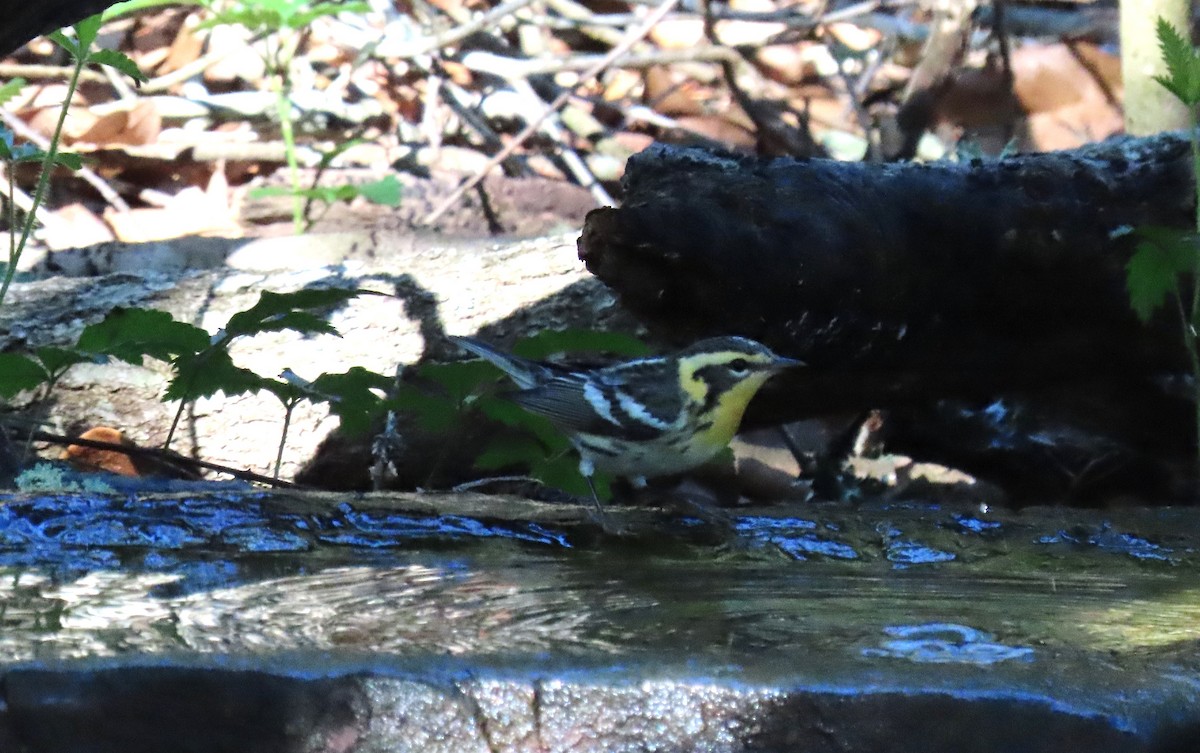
(648, 417)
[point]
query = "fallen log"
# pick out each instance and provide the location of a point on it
(903, 285)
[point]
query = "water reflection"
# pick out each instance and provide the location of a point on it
(216, 575)
(942, 643)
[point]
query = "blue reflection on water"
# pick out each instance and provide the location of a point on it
(1104, 537)
(945, 643)
(794, 537)
(975, 525)
(217, 538)
(374, 528)
(914, 553)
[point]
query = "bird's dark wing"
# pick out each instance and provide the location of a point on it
(577, 405)
(524, 372)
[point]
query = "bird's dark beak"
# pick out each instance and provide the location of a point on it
(780, 363)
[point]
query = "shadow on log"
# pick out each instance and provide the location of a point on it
(904, 285)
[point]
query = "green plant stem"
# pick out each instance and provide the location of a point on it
(44, 178)
(184, 401)
(174, 424)
(283, 102)
(287, 422)
(12, 219)
(1190, 322)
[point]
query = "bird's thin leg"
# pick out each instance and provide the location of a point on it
(598, 508)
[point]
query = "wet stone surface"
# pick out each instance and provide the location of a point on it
(240, 620)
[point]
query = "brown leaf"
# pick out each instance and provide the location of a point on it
(673, 93)
(678, 34)
(185, 47)
(1065, 98)
(192, 211)
(719, 129)
(134, 127)
(95, 459)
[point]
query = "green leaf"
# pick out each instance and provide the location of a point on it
(279, 311)
(133, 6)
(58, 360)
(1183, 65)
(432, 413)
(286, 392)
(562, 472)
(303, 322)
(328, 157)
(385, 191)
(11, 89)
(460, 379)
(355, 401)
(511, 414)
(14, 152)
(326, 194)
(1154, 270)
(86, 31)
(130, 334)
(210, 372)
(121, 62)
(18, 373)
(253, 19)
(506, 452)
(305, 17)
(547, 343)
(69, 160)
(65, 42)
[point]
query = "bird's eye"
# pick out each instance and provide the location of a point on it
(739, 367)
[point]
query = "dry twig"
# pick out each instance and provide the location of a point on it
(631, 38)
(106, 191)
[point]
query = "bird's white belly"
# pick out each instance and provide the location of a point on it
(660, 457)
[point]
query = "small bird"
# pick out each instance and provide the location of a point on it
(648, 417)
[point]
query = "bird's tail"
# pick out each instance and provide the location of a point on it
(527, 374)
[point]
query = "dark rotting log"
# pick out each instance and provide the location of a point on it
(901, 282)
(904, 285)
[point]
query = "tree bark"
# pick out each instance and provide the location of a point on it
(906, 285)
(931, 280)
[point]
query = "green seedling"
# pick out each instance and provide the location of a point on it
(1165, 259)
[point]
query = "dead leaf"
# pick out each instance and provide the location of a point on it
(786, 63)
(856, 38)
(620, 84)
(1065, 99)
(458, 73)
(185, 47)
(678, 34)
(673, 93)
(749, 33)
(719, 129)
(137, 126)
(192, 211)
(242, 61)
(94, 459)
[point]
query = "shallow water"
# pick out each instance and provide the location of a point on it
(833, 590)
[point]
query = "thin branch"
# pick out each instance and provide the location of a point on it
(632, 38)
(194, 68)
(511, 68)
(106, 191)
(429, 44)
(34, 72)
(154, 453)
(552, 127)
